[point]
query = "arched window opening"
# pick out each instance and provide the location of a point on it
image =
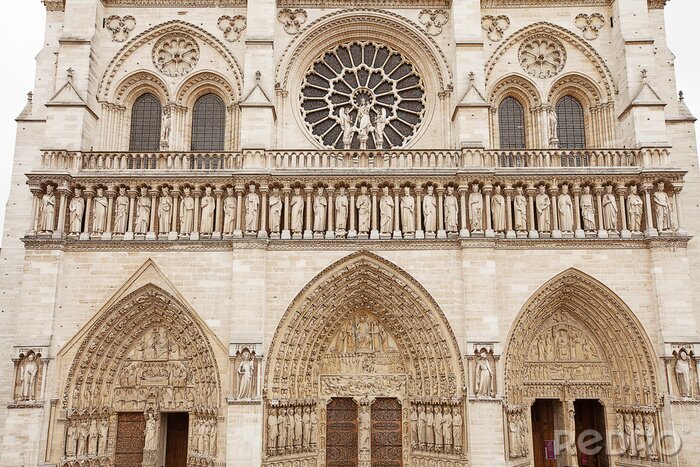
(571, 129)
(511, 124)
(208, 124)
(145, 124)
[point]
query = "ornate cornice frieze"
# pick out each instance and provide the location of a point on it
(542, 3)
(176, 3)
(365, 3)
(55, 5)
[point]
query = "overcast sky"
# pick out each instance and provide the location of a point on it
(22, 30)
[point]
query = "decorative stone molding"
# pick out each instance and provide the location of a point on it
(495, 26)
(365, 3)
(31, 365)
(232, 26)
(120, 26)
(55, 5)
(176, 54)
(542, 56)
(434, 20)
(292, 19)
(590, 25)
(543, 3)
(177, 3)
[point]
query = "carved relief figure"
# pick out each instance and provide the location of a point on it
(364, 422)
(379, 125)
(275, 202)
(230, 207)
(566, 210)
(290, 428)
(151, 443)
(683, 373)
(297, 208)
(143, 212)
(514, 448)
(99, 220)
(587, 209)
(76, 210)
(422, 427)
(298, 429)
(408, 209)
(71, 440)
(83, 433)
(640, 436)
(364, 206)
(447, 422)
(103, 432)
(320, 210)
(457, 429)
(314, 427)
(364, 125)
(553, 124)
(272, 430)
(208, 206)
(28, 376)
(306, 421)
(429, 428)
(386, 210)
(282, 430)
(165, 137)
(630, 441)
(520, 210)
(341, 211)
(663, 208)
(121, 218)
(543, 205)
(245, 376)
(609, 209)
(252, 207)
(498, 210)
(451, 208)
(620, 431)
(186, 212)
(347, 124)
(165, 210)
(437, 423)
(484, 376)
(92, 442)
(414, 427)
(48, 211)
(650, 433)
(476, 208)
(635, 209)
(430, 210)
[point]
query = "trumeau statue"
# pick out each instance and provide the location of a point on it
(151, 442)
(347, 124)
(476, 209)
(520, 210)
(430, 210)
(99, 220)
(587, 209)
(364, 206)
(484, 376)
(566, 210)
(609, 209)
(165, 211)
(121, 218)
(245, 376)
(543, 204)
(635, 210)
(408, 209)
(320, 210)
(48, 211)
(386, 210)
(143, 212)
(207, 206)
(230, 206)
(275, 202)
(451, 209)
(379, 125)
(186, 212)
(663, 208)
(297, 209)
(76, 210)
(252, 209)
(364, 427)
(341, 211)
(498, 210)
(682, 371)
(28, 376)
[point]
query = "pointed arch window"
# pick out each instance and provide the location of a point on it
(571, 129)
(145, 124)
(208, 124)
(511, 124)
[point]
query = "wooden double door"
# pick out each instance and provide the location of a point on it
(342, 432)
(131, 438)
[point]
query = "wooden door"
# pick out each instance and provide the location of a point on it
(543, 431)
(176, 440)
(131, 438)
(590, 415)
(341, 433)
(386, 433)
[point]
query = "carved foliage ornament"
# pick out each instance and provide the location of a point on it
(495, 26)
(232, 26)
(120, 26)
(292, 19)
(434, 20)
(590, 24)
(176, 54)
(542, 56)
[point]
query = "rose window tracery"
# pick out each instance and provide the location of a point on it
(362, 96)
(542, 56)
(176, 55)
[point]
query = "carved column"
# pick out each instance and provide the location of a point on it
(531, 212)
(176, 205)
(61, 228)
(330, 216)
(352, 233)
(151, 235)
(262, 233)
(35, 211)
(602, 233)
(238, 233)
(88, 209)
(510, 233)
(624, 233)
(107, 235)
(397, 214)
(556, 233)
(374, 234)
(488, 232)
(570, 427)
(129, 235)
(441, 233)
(309, 206)
(464, 231)
(419, 213)
(677, 188)
(218, 218)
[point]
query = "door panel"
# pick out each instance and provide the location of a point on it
(130, 439)
(590, 415)
(542, 430)
(386, 433)
(341, 433)
(176, 441)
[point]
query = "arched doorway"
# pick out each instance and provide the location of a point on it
(144, 388)
(578, 359)
(358, 361)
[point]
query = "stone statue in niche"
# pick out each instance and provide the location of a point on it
(457, 424)
(553, 124)
(121, 218)
(476, 209)
(663, 208)
(682, 371)
(620, 431)
(341, 211)
(514, 448)
(151, 442)
(103, 432)
(28, 376)
(520, 210)
(290, 428)
(640, 436)
(588, 209)
(165, 137)
(543, 205)
(484, 375)
(48, 211)
(275, 202)
(143, 212)
(498, 210)
(230, 206)
(650, 432)
(282, 430)
(408, 209)
(99, 220)
(364, 206)
(92, 442)
(313, 430)
(430, 210)
(635, 209)
(610, 209)
(208, 207)
(71, 434)
(348, 126)
(252, 208)
(451, 209)
(566, 210)
(386, 211)
(422, 427)
(447, 422)
(298, 429)
(414, 427)
(76, 210)
(272, 430)
(297, 209)
(364, 124)
(83, 433)
(320, 210)
(429, 428)
(165, 211)
(379, 125)
(364, 422)
(186, 212)
(437, 423)
(245, 371)
(306, 421)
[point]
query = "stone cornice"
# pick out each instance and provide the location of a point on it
(364, 3)
(176, 3)
(542, 3)
(55, 5)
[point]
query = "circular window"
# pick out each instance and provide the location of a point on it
(176, 54)
(362, 96)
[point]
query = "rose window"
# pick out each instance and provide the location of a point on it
(362, 95)
(542, 57)
(176, 55)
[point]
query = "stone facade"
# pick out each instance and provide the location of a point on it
(354, 265)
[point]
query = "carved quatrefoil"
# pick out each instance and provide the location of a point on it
(176, 54)
(590, 24)
(232, 26)
(120, 26)
(542, 56)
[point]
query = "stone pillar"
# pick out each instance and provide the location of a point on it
(556, 233)
(420, 233)
(352, 232)
(624, 233)
(602, 233)
(60, 230)
(218, 215)
(531, 212)
(309, 206)
(650, 230)
(107, 235)
(129, 234)
(488, 232)
(330, 214)
(262, 233)
(151, 235)
(88, 209)
(238, 233)
(35, 211)
(397, 214)
(441, 213)
(677, 188)
(464, 231)
(172, 235)
(579, 233)
(286, 234)
(510, 233)
(374, 234)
